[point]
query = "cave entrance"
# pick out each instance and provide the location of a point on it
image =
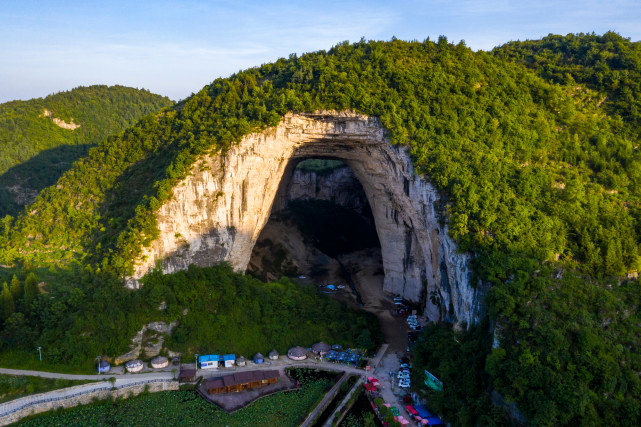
(321, 230)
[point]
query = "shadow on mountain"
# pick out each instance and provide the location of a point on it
(20, 185)
(129, 190)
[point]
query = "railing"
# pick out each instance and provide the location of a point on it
(13, 406)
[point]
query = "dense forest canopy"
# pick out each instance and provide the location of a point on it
(534, 147)
(36, 151)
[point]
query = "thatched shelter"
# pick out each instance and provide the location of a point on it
(259, 358)
(134, 365)
(297, 353)
(321, 348)
(273, 355)
(159, 362)
(241, 361)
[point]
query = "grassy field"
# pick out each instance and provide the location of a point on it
(20, 359)
(13, 386)
(186, 408)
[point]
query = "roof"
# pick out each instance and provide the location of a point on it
(241, 378)
(297, 351)
(229, 357)
(273, 353)
(321, 347)
(209, 358)
(187, 373)
(423, 412)
(159, 359)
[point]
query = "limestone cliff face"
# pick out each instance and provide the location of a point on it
(339, 186)
(217, 212)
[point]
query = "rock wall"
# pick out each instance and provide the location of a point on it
(217, 212)
(339, 186)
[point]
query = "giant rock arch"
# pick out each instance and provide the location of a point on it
(217, 212)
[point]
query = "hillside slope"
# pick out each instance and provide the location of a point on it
(542, 181)
(41, 138)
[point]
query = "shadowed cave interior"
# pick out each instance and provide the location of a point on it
(321, 226)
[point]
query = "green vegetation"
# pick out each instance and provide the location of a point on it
(35, 151)
(186, 408)
(238, 314)
(320, 166)
(13, 387)
(84, 316)
(538, 163)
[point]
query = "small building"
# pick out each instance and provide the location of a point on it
(241, 361)
(134, 365)
(209, 361)
(273, 355)
(229, 360)
(187, 376)
(297, 353)
(103, 366)
(259, 358)
(321, 348)
(159, 362)
(241, 381)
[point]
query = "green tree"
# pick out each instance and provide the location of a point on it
(16, 288)
(6, 302)
(30, 288)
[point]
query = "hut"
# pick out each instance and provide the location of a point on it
(259, 358)
(297, 353)
(241, 361)
(273, 355)
(321, 348)
(134, 365)
(208, 361)
(103, 366)
(159, 362)
(241, 381)
(187, 376)
(229, 360)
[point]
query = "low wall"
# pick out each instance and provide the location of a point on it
(15, 410)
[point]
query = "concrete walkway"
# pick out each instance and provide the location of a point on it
(340, 407)
(329, 396)
(102, 377)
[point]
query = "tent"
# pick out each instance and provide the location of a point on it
(411, 410)
(423, 412)
(259, 358)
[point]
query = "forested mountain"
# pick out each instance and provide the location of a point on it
(534, 146)
(41, 138)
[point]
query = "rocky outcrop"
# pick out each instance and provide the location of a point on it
(148, 341)
(217, 212)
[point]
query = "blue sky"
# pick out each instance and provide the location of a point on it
(176, 47)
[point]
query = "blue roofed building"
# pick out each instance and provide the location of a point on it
(209, 361)
(229, 360)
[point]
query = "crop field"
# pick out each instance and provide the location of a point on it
(186, 408)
